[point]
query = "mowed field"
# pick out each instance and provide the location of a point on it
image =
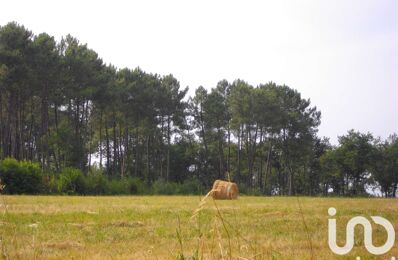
(173, 227)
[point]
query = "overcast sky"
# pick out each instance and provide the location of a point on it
(343, 55)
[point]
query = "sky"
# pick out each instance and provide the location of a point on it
(342, 54)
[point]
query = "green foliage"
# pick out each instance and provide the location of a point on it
(137, 186)
(191, 187)
(71, 181)
(73, 109)
(384, 165)
(125, 186)
(116, 187)
(21, 177)
(165, 188)
(188, 187)
(249, 191)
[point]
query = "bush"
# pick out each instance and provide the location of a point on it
(118, 187)
(51, 184)
(250, 191)
(190, 187)
(22, 177)
(71, 181)
(137, 186)
(26, 178)
(96, 184)
(162, 187)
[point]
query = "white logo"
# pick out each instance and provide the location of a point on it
(376, 250)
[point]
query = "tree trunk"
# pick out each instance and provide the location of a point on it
(57, 153)
(44, 126)
(1, 127)
(17, 126)
(108, 152)
(136, 152)
(291, 180)
(162, 147)
(115, 145)
(122, 152)
(260, 174)
(89, 146)
(21, 143)
(252, 153)
(229, 150)
(125, 163)
(239, 145)
(221, 154)
(168, 149)
(30, 134)
(204, 136)
(148, 174)
(267, 167)
(11, 122)
(100, 140)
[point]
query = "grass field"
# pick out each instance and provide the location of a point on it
(166, 227)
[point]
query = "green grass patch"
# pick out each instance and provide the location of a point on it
(165, 227)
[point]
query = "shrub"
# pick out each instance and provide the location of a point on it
(118, 186)
(51, 185)
(162, 187)
(26, 178)
(190, 187)
(21, 177)
(250, 191)
(136, 186)
(96, 184)
(71, 181)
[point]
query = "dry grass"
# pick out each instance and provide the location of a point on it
(62, 245)
(175, 227)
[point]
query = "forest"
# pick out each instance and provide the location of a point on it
(69, 122)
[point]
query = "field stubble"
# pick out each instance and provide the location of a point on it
(182, 227)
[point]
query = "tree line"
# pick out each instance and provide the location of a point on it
(63, 107)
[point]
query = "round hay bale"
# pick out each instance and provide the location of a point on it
(224, 190)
